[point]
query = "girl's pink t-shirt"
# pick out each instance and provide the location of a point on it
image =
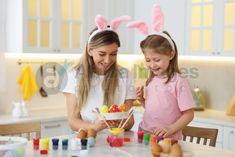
(164, 103)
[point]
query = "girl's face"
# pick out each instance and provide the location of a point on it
(156, 62)
(104, 57)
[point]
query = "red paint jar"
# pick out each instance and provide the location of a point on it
(115, 138)
(36, 143)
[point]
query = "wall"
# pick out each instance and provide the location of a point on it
(14, 93)
(2, 26)
(215, 78)
(2, 60)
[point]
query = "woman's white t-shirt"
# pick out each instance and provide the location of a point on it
(125, 91)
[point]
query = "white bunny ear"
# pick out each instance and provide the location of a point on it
(117, 21)
(157, 18)
(140, 25)
(101, 22)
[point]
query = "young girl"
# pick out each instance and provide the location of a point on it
(168, 102)
(98, 80)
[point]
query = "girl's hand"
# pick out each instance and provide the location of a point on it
(140, 93)
(163, 131)
(99, 125)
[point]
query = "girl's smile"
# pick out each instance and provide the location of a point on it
(158, 63)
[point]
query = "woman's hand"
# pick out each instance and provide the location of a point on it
(99, 125)
(140, 94)
(114, 123)
(163, 131)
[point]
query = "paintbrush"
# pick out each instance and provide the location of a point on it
(101, 117)
(130, 114)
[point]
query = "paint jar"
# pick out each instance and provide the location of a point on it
(115, 138)
(55, 143)
(65, 144)
(146, 138)
(140, 135)
(45, 144)
(74, 144)
(153, 139)
(36, 143)
(83, 144)
(91, 141)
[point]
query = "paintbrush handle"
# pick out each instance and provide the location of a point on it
(105, 121)
(131, 113)
(121, 122)
(102, 117)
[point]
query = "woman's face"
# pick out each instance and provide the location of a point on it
(104, 57)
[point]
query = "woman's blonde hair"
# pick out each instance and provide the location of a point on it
(161, 45)
(85, 69)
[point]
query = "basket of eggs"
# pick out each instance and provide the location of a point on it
(114, 112)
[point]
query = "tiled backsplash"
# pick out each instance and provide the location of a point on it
(215, 78)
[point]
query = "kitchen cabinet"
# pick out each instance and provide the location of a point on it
(174, 20)
(44, 26)
(210, 28)
(60, 26)
(54, 128)
(229, 138)
(2, 26)
(111, 9)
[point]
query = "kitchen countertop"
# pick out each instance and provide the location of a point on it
(43, 115)
(211, 116)
(46, 115)
(216, 117)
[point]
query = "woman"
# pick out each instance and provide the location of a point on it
(98, 80)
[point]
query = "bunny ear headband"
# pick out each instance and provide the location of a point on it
(102, 24)
(157, 25)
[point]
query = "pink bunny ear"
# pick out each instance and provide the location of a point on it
(101, 22)
(140, 25)
(116, 22)
(157, 18)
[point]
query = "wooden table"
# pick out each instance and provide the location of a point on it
(132, 149)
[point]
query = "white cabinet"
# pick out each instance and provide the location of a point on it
(55, 128)
(111, 9)
(2, 26)
(174, 15)
(210, 27)
(60, 26)
(44, 26)
(229, 138)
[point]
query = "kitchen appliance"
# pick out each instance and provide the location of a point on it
(19, 110)
(198, 98)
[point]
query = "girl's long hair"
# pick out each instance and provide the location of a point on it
(85, 69)
(161, 45)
